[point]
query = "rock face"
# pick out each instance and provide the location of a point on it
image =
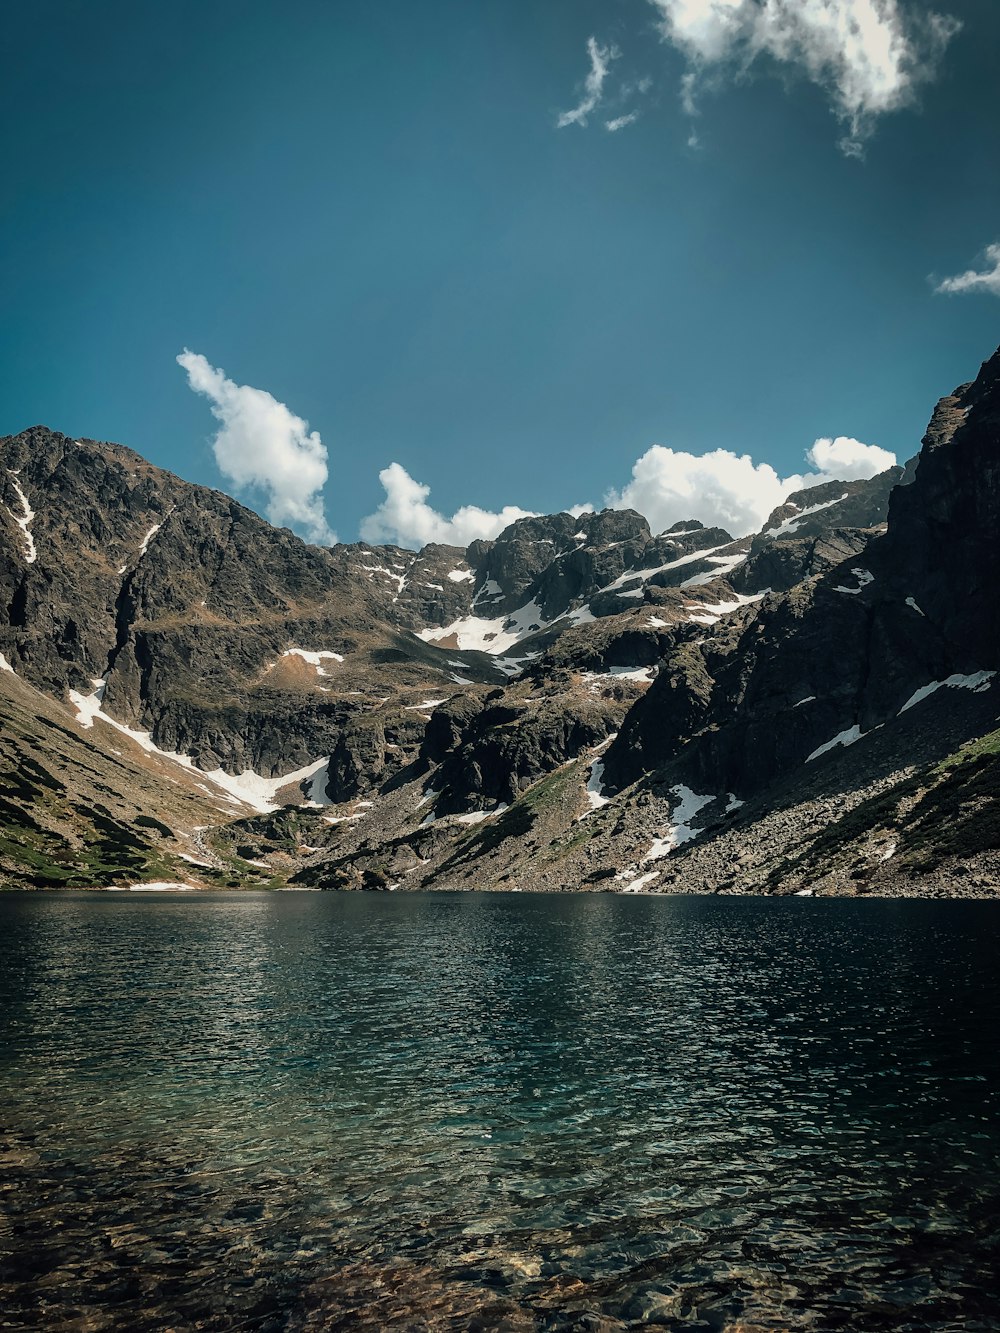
(488, 751)
(431, 587)
(576, 690)
(840, 654)
(227, 639)
(834, 504)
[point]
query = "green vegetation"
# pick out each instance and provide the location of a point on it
(949, 810)
(972, 750)
(515, 822)
(960, 814)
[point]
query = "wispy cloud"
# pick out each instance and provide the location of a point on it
(593, 87)
(405, 518)
(986, 279)
(263, 446)
(620, 122)
(863, 52)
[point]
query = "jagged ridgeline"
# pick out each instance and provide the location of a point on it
(191, 695)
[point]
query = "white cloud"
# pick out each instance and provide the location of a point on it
(731, 491)
(593, 88)
(987, 280)
(405, 518)
(720, 488)
(262, 445)
(863, 52)
(846, 459)
(619, 122)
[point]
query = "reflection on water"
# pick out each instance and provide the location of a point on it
(498, 1112)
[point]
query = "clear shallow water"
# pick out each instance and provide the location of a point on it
(498, 1112)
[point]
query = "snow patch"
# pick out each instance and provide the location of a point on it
(315, 787)
(793, 524)
(709, 613)
(847, 737)
(646, 574)
(978, 682)
(461, 576)
(315, 659)
(345, 819)
(661, 847)
(248, 787)
(725, 564)
(595, 781)
(637, 884)
(810, 698)
(477, 816)
(148, 538)
(680, 830)
(4, 664)
(398, 579)
(595, 785)
(913, 607)
(471, 817)
(88, 706)
(510, 666)
(494, 636)
(644, 674)
(863, 576)
(25, 521)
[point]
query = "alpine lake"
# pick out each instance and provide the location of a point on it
(284, 1111)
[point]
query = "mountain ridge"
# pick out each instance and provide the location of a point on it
(577, 703)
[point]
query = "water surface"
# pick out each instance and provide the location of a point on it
(305, 1111)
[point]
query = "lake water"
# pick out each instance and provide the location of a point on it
(502, 1111)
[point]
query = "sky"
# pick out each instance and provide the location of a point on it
(411, 270)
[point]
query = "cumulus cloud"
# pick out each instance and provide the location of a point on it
(846, 459)
(593, 88)
(263, 446)
(405, 518)
(986, 279)
(721, 489)
(863, 52)
(731, 491)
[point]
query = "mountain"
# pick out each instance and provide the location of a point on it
(579, 703)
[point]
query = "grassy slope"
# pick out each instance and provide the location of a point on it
(83, 809)
(948, 811)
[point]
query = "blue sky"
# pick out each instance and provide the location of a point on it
(372, 213)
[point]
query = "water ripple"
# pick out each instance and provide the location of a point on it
(498, 1112)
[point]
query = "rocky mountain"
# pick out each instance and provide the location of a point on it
(579, 703)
